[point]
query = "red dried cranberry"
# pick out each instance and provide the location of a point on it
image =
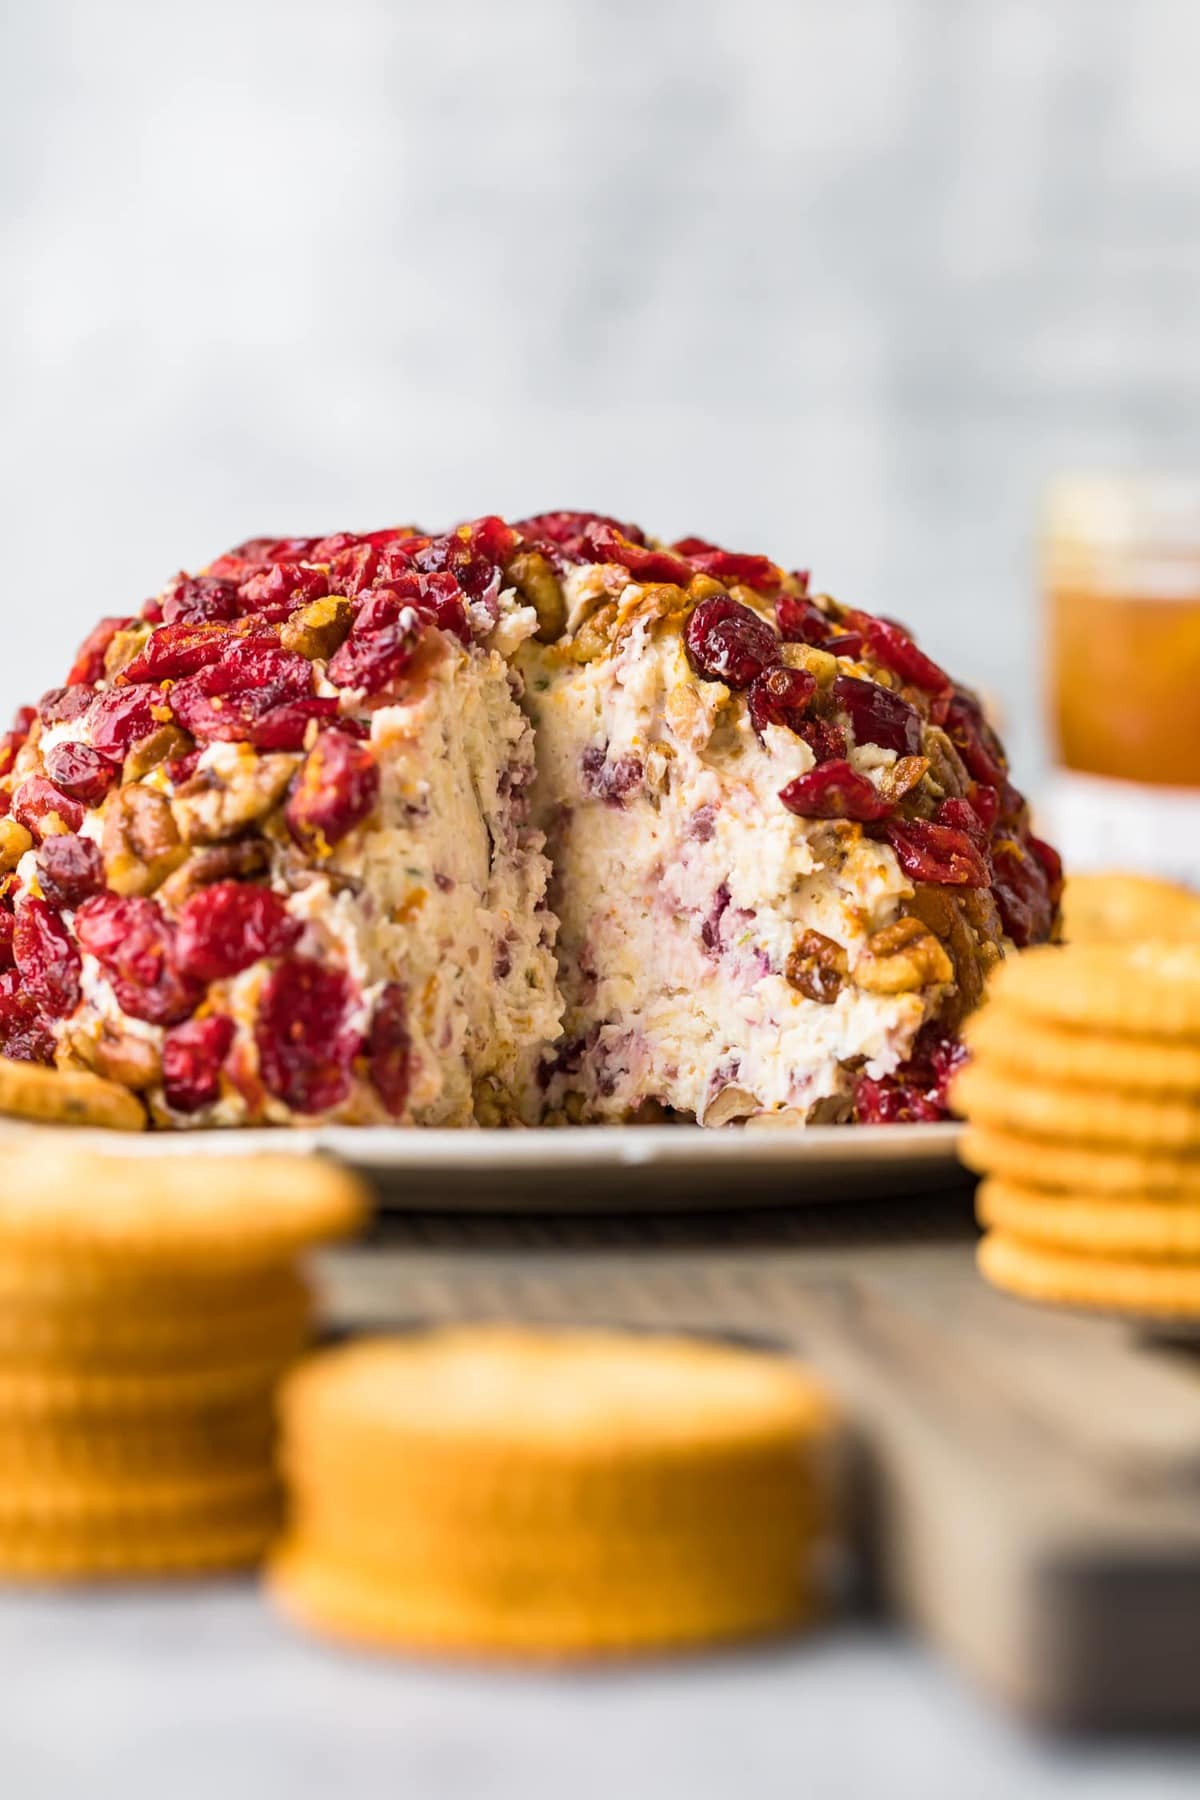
(801, 621)
(961, 717)
(336, 789)
(37, 802)
(986, 802)
(122, 717)
(607, 780)
(727, 642)
(192, 1055)
(64, 703)
(199, 600)
(7, 925)
(25, 1035)
(23, 720)
(780, 696)
(81, 772)
(473, 554)
(69, 869)
(88, 666)
(11, 743)
(892, 646)
(286, 727)
(381, 644)
(46, 958)
(389, 1049)
(960, 815)
(134, 943)
(305, 1046)
(226, 927)
(1027, 885)
(179, 650)
(833, 790)
(605, 544)
(756, 572)
(352, 569)
(826, 740)
(564, 530)
(442, 600)
(228, 700)
(878, 716)
(277, 592)
(182, 768)
(937, 853)
(917, 1091)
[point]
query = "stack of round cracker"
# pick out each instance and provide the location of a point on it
(147, 1312)
(1083, 1106)
(499, 1492)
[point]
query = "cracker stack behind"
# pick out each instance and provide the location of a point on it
(147, 1311)
(509, 1493)
(1083, 1102)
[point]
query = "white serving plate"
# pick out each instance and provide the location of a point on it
(617, 1168)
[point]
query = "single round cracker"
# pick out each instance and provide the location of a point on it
(1069, 1168)
(67, 1097)
(197, 1211)
(999, 1037)
(1092, 1223)
(337, 1600)
(1151, 989)
(549, 1398)
(150, 1338)
(1068, 1278)
(1120, 906)
(1077, 1115)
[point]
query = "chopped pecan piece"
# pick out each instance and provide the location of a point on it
(140, 840)
(817, 967)
(902, 957)
(120, 1056)
(905, 774)
(219, 802)
(242, 860)
(123, 647)
(320, 628)
(14, 842)
(532, 574)
(594, 636)
(166, 744)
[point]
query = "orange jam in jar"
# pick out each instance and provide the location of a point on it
(1121, 565)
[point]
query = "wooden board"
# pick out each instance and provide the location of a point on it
(1027, 1483)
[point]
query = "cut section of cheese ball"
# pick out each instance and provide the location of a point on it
(786, 846)
(266, 855)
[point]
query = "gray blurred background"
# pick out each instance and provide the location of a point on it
(842, 282)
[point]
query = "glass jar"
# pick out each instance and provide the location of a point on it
(1121, 569)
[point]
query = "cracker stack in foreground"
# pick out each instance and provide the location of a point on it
(1083, 1102)
(146, 1314)
(510, 1493)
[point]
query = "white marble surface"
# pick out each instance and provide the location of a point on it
(207, 1697)
(839, 281)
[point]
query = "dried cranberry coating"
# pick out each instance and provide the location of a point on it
(937, 853)
(336, 789)
(389, 1049)
(121, 717)
(917, 1091)
(780, 696)
(231, 700)
(24, 1034)
(64, 703)
(7, 926)
(183, 649)
(892, 646)
(46, 958)
(878, 716)
(81, 773)
(834, 790)
(277, 592)
(88, 666)
(725, 641)
(200, 600)
(961, 717)
(603, 543)
(756, 572)
(1027, 887)
(70, 869)
(565, 530)
(305, 1047)
(192, 1056)
(225, 928)
(382, 641)
(134, 943)
(38, 804)
(801, 621)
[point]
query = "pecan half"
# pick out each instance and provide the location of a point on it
(14, 842)
(139, 839)
(902, 957)
(533, 576)
(120, 1056)
(242, 860)
(319, 628)
(221, 802)
(905, 774)
(817, 967)
(163, 745)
